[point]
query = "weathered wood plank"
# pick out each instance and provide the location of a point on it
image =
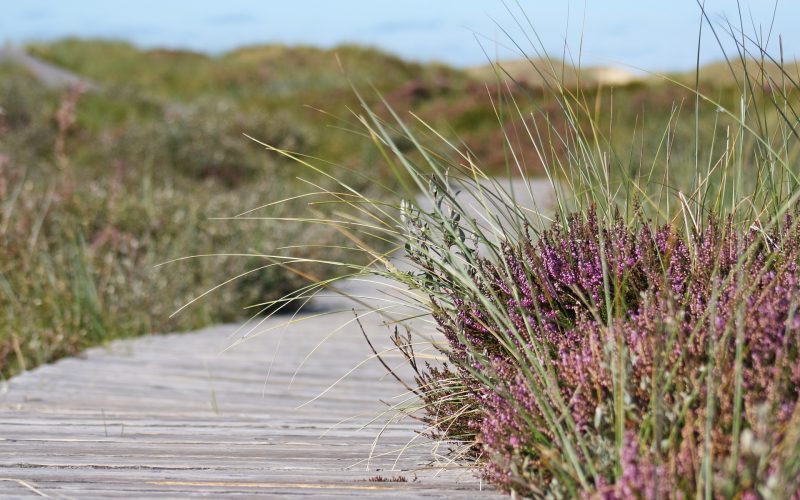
(175, 416)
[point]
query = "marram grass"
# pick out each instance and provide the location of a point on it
(640, 338)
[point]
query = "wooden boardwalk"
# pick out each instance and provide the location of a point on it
(172, 416)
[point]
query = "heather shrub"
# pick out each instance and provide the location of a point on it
(694, 358)
(642, 342)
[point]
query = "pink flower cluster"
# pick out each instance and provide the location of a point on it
(674, 325)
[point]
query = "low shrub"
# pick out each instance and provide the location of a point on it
(693, 358)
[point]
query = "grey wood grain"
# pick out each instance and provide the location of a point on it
(177, 415)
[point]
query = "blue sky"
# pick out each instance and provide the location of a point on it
(649, 34)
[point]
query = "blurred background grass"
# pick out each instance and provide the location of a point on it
(98, 187)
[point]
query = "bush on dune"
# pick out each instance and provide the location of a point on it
(700, 328)
(617, 356)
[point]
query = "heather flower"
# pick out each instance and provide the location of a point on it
(687, 320)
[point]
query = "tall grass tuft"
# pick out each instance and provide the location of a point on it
(639, 336)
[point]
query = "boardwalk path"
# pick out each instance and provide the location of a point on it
(48, 74)
(174, 416)
(169, 416)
